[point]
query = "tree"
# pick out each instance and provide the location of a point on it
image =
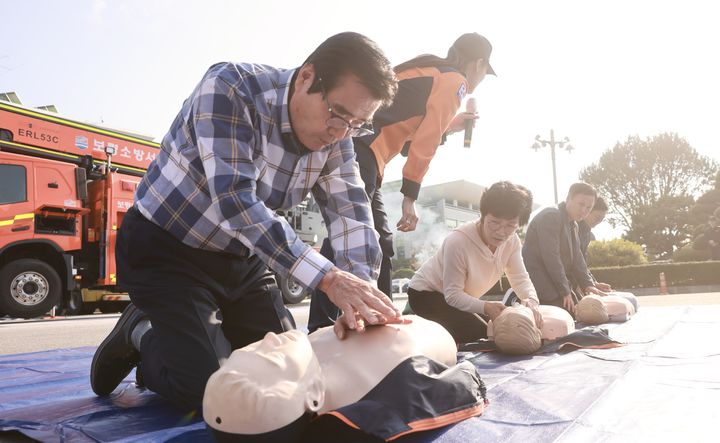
(706, 216)
(633, 176)
(688, 253)
(663, 227)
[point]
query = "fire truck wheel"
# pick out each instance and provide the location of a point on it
(292, 291)
(28, 288)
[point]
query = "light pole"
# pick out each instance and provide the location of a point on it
(562, 144)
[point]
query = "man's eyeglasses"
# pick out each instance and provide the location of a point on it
(336, 121)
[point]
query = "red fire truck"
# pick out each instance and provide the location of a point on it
(64, 189)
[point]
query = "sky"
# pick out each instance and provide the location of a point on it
(595, 72)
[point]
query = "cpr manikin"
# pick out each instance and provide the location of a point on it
(594, 309)
(514, 330)
(278, 380)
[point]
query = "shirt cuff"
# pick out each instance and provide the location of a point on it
(310, 268)
(410, 189)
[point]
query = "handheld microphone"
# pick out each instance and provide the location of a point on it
(470, 107)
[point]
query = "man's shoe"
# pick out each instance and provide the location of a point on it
(116, 355)
(510, 297)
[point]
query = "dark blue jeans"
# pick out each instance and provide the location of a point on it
(202, 305)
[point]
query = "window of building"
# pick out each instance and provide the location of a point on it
(13, 184)
(450, 223)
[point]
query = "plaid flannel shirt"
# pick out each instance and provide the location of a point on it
(230, 160)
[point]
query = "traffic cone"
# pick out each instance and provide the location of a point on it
(663, 284)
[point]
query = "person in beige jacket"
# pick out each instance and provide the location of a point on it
(448, 286)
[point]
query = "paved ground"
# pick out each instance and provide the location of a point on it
(705, 298)
(32, 336)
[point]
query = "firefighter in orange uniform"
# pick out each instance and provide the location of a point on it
(430, 92)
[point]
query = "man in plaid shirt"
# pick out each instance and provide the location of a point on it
(196, 250)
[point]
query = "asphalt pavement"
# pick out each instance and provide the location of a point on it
(21, 336)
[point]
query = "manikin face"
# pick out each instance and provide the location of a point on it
(349, 99)
(265, 385)
(283, 355)
(579, 206)
(595, 217)
(496, 230)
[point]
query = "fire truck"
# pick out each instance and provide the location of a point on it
(65, 186)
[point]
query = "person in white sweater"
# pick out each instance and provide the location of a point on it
(448, 286)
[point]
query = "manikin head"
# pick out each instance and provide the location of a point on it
(594, 309)
(514, 330)
(265, 386)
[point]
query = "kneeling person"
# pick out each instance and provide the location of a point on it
(447, 288)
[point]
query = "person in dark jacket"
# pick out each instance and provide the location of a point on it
(552, 253)
(585, 226)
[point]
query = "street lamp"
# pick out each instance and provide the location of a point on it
(562, 144)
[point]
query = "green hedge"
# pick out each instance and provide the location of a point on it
(648, 275)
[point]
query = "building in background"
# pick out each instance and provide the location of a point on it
(441, 208)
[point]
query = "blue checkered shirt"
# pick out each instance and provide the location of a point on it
(230, 160)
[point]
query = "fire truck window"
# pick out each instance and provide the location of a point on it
(13, 184)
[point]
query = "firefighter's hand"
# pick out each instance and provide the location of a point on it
(458, 122)
(359, 299)
(409, 219)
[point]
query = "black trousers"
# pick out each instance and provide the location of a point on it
(464, 326)
(202, 305)
(322, 311)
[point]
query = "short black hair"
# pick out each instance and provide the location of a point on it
(600, 205)
(581, 188)
(507, 200)
(353, 53)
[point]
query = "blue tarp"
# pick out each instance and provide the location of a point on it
(663, 385)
